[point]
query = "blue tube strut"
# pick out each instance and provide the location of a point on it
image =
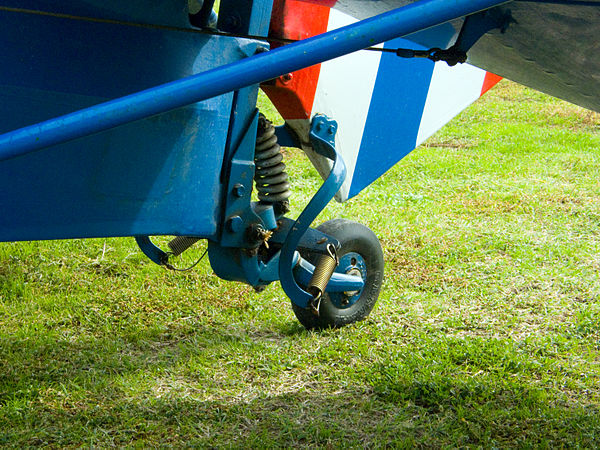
(264, 66)
(322, 137)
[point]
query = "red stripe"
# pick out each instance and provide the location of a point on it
(489, 82)
(328, 3)
(294, 95)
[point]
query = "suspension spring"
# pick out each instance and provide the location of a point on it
(270, 176)
(323, 272)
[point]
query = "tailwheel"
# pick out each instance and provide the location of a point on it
(360, 254)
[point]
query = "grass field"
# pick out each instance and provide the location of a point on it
(487, 331)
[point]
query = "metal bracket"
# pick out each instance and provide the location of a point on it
(245, 16)
(239, 215)
(312, 241)
(322, 136)
(286, 137)
(148, 248)
(473, 29)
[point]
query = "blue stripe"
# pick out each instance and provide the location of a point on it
(394, 115)
(396, 107)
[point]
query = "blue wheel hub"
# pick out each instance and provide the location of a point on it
(350, 264)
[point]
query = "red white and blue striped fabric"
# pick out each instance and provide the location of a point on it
(385, 106)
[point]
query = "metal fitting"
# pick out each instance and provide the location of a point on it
(235, 224)
(239, 190)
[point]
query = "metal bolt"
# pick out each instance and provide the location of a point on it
(258, 233)
(235, 224)
(239, 190)
(331, 129)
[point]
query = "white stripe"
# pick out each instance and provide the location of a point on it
(344, 92)
(452, 89)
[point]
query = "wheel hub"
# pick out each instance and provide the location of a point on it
(354, 271)
(351, 264)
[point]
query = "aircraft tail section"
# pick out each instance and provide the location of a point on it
(385, 106)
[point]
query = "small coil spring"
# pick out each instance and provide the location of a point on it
(181, 243)
(270, 177)
(323, 272)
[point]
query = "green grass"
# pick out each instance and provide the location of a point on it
(487, 331)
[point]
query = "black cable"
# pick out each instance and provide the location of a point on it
(176, 269)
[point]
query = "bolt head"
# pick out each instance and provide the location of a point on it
(239, 190)
(235, 224)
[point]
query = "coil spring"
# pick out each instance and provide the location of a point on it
(270, 176)
(180, 244)
(323, 272)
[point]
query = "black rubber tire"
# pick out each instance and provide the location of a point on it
(353, 237)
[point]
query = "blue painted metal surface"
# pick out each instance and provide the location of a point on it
(159, 12)
(235, 264)
(155, 176)
(322, 136)
(313, 241)
(151, 250)
(237, 212)
(251, 18)
(245, 16)
(270, 271)
(266, 213)
(285, 138)
(239, 215)
(477, 25)
(162, 175)
(231, 77)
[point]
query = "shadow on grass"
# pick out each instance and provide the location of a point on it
(61, 393)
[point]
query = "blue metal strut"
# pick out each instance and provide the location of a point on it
(322, 136)
(260, 67)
